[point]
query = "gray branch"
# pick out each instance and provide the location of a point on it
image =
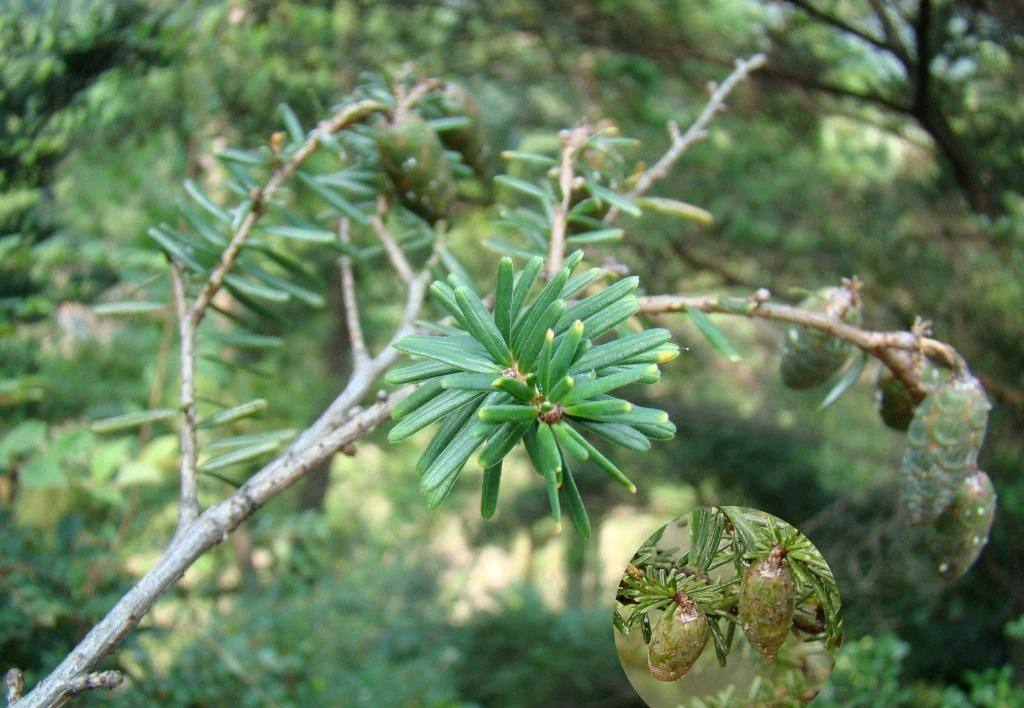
(188, 504)
(199, 531)
(900, 351)
(697, 131)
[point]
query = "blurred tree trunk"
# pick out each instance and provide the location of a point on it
(576, 556)
(337, 361)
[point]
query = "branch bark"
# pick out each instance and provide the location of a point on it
(263, 195)
(697, 131)
(900, 351)
(388, 243)
(188, 504)
(336, 428)
(349, 302)
(572, 140)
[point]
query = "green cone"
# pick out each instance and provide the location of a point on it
(767, 603)
(413, 158)
(957, 537)
(469, 141)
(810, 356)
(943, 441)
(677, 641)
(895, 404)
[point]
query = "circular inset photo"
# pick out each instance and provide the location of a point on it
(727, 606)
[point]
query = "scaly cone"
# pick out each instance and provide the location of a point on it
(767, 603)
(895, 404)
(470, 141)
(943, 441)
(811, 356)
(677, 641)
(412, 156)
(957, 537)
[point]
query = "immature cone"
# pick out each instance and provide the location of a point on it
(943, 441)
(957, 537)
(677, 641)
(413, 158)
(469, 141)
(767, 603)
(811, 356)
(895, 404)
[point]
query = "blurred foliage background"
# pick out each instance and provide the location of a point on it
(890, 150)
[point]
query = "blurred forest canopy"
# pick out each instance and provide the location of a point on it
(882, 139)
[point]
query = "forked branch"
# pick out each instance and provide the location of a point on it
(262, 196)
(198, 531)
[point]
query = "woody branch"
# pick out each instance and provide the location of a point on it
(900, 351)
(335, 429)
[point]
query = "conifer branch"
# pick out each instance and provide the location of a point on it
(572, 140)
(900, 351)
(349, 302)
(335, 430)
(262, 196)
(681, 141)
(205, 532)
(388, 243)
(188, 504)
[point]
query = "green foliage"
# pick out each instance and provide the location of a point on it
(529, 371)
(804, 187)
(50, 53)
(58, 583)
(743, 569)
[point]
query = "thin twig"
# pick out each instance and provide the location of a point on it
(349, 302)
(262, 196)
(387, 241)
(681, 142)
(900, 351)
(101, 679)
(572, 140)
(188, 505)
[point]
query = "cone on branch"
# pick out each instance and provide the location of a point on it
(412, 156)
(469, 141)
(895, 404)
(957, 537)
(943, 442)
(810, 356)
(767, 603)
(677, 641)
